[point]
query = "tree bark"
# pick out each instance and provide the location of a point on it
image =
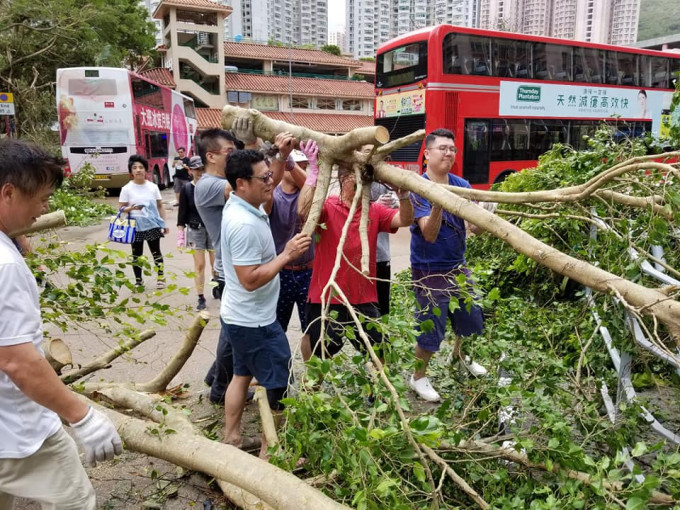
(277, 488)
(47, 221)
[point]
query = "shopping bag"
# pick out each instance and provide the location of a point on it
(122, 230)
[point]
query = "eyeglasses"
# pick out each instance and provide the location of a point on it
(269, 176)
(446, 148)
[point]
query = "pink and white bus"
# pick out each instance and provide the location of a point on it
(107, 114)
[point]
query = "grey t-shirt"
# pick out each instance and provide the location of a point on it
(383, 248)
(209, 199)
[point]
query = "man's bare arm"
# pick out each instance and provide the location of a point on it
(34, 376)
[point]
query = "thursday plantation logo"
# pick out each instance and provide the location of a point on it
(530, 94)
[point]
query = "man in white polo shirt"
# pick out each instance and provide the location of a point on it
(251, 269)
(38, 459)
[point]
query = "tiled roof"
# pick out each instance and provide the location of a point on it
(266, 52)
(322, 122)
(160, 75)
(197, 4)
(366, 68)
(281, 84)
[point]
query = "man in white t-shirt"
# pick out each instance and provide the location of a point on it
(38, 459)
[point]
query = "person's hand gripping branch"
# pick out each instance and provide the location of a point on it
(98, 437)
(311, 150)
(242, 128)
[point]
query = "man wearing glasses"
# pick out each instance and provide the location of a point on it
(210, 195)
(251, 270)
(437, 259)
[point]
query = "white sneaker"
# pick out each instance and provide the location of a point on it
(424, 389)
(474, 368)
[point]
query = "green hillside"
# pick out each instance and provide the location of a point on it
(658, 18)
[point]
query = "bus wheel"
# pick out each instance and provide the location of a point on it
(157, 178)
(166, 177)
(503, 176)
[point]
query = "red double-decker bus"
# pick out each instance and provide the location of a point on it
(509, 97)
(107, 114)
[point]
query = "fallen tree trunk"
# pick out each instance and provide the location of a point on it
(276, 487)
(651, 302)
(47, 221)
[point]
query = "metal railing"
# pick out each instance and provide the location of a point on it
(295, 75)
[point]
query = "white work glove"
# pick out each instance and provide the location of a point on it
(98, 437)
(489, 206)
(389, 199)
(242, 128)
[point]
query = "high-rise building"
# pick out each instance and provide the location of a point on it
(337, 38)
(454, 12)
(248, 20)
(603, 21)
(296, 22)
(372, 22)
(150, 6)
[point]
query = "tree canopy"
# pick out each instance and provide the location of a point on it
(332, 49)
(38, 37)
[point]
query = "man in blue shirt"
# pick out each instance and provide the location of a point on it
(251, 270)
(437, 259)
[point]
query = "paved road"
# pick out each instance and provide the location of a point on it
(149, 358)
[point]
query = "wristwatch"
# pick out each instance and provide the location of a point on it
(278, 157)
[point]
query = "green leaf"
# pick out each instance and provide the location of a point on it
(638, 450)
(635, 504)
(419, 472)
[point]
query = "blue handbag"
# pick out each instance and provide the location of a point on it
(122, 230)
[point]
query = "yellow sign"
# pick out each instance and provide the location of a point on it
(6, 97)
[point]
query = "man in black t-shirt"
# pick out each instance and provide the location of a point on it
(181, 166)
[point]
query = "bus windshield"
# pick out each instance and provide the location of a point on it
(401, 66)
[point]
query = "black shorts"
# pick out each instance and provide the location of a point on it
(335, 328)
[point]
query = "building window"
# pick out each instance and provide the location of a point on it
(301, 102)
(325, 104)
(351, 105)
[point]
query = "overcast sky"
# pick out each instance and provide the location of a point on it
(336, 14)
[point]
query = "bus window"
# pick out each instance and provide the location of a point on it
(559, 61)
(628, 69)
(538, 139)
(504, 57)
(189, 109)
(658, 72)
(509, 140)
(92, 87)
(146, 93)
(467, 54)
(540, 60)
(156, 145)
(401, 66)
(476, 151)
(611, 68)
(675, 71)
(588, 64)
(520, 139)
(501, 140)
(580, 129)
(522, 60)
